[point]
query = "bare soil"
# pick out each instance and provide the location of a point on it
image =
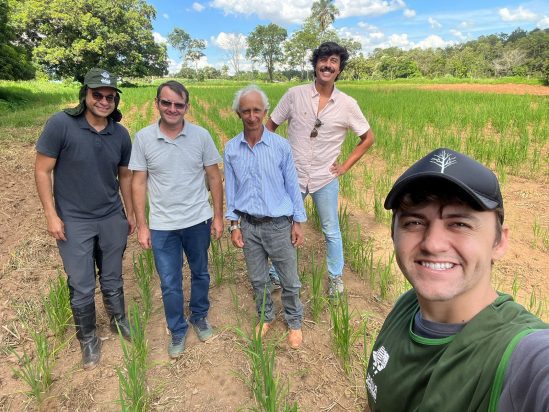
(210, 376)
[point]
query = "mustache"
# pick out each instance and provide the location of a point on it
(327, 69)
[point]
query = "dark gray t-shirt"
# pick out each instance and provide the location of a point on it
(86, 171)
(526, 382)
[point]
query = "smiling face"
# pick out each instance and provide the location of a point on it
(328, 68)
(446, 252)
(172, 107)
(252, 111)
(100, 102)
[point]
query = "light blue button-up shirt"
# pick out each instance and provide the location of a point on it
(262, 180)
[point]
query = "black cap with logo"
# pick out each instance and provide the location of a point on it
(478, 183)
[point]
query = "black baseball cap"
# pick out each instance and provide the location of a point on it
(100, 78)
(477, 183)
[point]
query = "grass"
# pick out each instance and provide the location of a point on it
(132, 376)
(317, 300)
(266, 385)
(36, 371)
(143, 269)
(343, 334)
(57, 306)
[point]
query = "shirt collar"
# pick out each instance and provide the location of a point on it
(265, 137)
(83, 124)
(315, 93)
(160, 135)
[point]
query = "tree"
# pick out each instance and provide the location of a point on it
(323, 14)
(68, 37)
(298, 50)
(195, 51)
(235, 45)
(14, 60)
(179, 39)
(265, 45)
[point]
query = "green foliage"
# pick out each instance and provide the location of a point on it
(14, 60)
(57, 306)
(518, 54)
(113, 34)
(265, 45)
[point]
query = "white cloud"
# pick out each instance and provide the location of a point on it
(434, 24)
(409, 13)
(158, 38)
(276, 11)
(173, 66)
(458, 34)
(543, 23)
(296, 11)
(166, 16)
(433, 42)
(349, 8)
(520, 14)
(466, 24)
(226, 40)
(198, 7)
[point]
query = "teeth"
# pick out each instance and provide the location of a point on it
(438, 265)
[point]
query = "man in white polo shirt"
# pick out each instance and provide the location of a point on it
(319, 117)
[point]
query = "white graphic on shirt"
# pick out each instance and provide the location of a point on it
(443, 160)
(381, 358)
(372, 387)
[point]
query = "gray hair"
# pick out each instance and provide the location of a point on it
(246, 90)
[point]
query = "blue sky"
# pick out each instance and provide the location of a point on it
(374, 23)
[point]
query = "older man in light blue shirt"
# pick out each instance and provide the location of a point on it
(263, 194)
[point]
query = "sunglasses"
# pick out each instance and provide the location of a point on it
(99, 96)
(166, 104)
(314, 132)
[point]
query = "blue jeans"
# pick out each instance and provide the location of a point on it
(273, 240)
(168, 247)
(325, 200)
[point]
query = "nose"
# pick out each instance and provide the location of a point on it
(435, 238)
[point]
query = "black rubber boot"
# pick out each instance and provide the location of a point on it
(90, 344)
(114, 305)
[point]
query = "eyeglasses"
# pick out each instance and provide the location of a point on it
(99, 96)
(166, 104)
(314, 132)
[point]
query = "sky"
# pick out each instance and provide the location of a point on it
(374, 23)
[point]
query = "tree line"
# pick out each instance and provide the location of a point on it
(64, 38)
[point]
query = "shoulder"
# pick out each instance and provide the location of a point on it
(62, 118)
(344, 97)
(276, 139)
(147, 132)
(120, 130)
(195, 130)
(526, 384)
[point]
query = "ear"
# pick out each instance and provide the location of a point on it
(500, 247)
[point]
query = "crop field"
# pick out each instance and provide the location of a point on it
(505, 127)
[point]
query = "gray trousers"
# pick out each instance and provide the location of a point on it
(98, 243)
(273, 240)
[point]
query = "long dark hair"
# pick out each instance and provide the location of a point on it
(116, 114)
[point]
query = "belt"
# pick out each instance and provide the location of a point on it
(255, 220)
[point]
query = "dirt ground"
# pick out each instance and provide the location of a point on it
(210, 375)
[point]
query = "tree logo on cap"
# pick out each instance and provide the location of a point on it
(443, 160)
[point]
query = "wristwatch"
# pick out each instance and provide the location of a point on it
(234, 227)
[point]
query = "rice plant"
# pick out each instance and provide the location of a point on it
(343, 334)
(37, 371)
(132, 376)
(385, 273)
(217, 259)
(312, 214)
(57, 306)
(266, 385)
(143, 269)
(317, 301)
